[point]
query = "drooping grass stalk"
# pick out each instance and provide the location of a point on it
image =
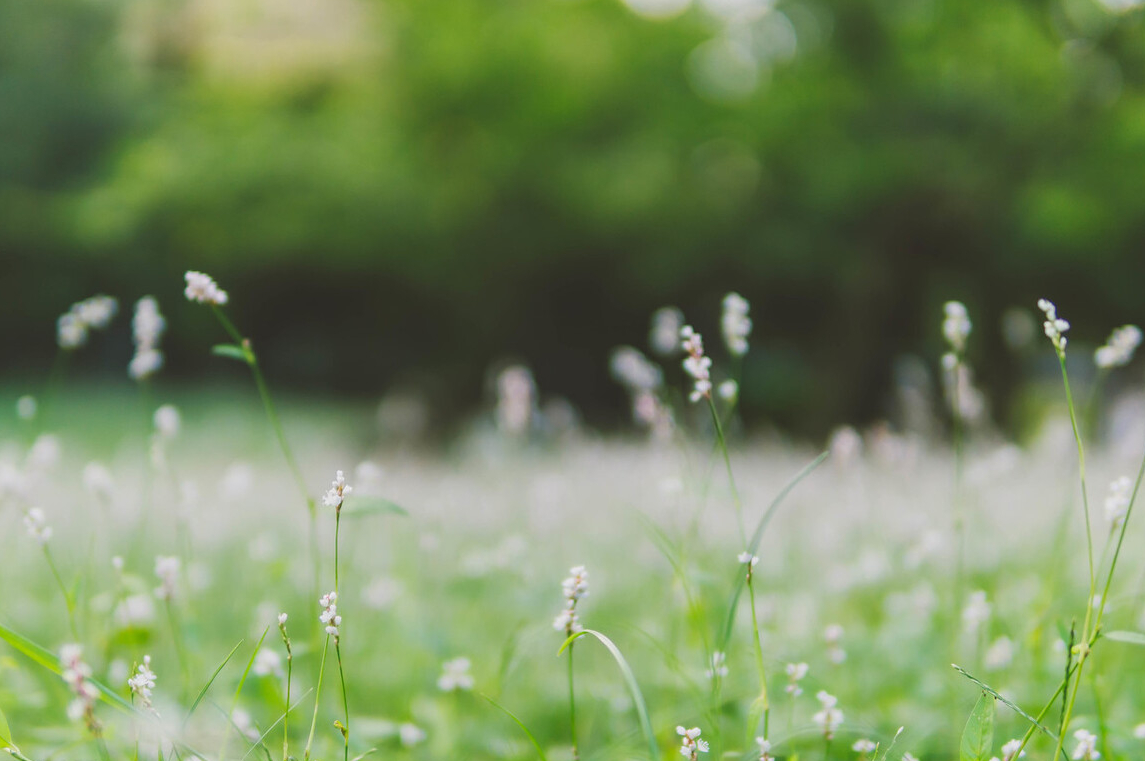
(723, 445)
(68, 601)
(317, 700)
(289, 676)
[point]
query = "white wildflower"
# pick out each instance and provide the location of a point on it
(410, 734)
(864, 746)
(266, 663)
(1117, 502)
(999, 655)
(976, 612)
(71, 333)
(696, 364)
(1139, 731)
(1054, 326)
(764, 749)
(574, 588)
(96, 312)
(337, 493)
(26, 407)
(728, 390)
(45, 452)
(147, 326)
(829, 717)
(719, 667)
(282, 619)
(329, 615)
(1010, 751)
(76, 675)
(203, 289)
(1086, 749)
(833, 636)
(735, 323)
(516, 399)
(631, 369)
(956, 326)
(143, 682)
(97, 480)
(167, 421)
(167, 571)
(795, 674)
(664, 337)
(748, 559)
(1119, 349)
(37, 526)
(455, 676)
(690, 742)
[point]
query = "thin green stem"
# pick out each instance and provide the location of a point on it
(177, 638)
(759, 657)
(728, 465)
(289, 676)
(64, 591)
(572, 706)
(317, 695)
(345, 703)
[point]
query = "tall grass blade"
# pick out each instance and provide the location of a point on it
(521, 724)
(203, 692)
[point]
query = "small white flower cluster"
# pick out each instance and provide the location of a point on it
(1054, 326)
(455, 676)
(143, 682)
(146, 326)
(203, 289)
(864, 746)
(696, 364)
(795, 674)
(266, 663)
(829, 717)
(690, 742)
(337, 493)
(90, 314)
(999, 655)
(664, 337)
(956, 326)
(329, 615)
(1119, 349)
(1010, 751)
(976, 612)
(1117, 503)
(642, 379)
(166, 420)
(37, 526)
(749, 560)
(167, 571)
(26, 407)
(98, 480)
(735, 323)
(410, 734)
(1086, 749)
(719, 667)
(575, 587)
(833, 636)
(764, 749)
(76, 674)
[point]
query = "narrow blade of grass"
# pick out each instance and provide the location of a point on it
(633, 687)
(521, 724)
(264, 735)
(207, 686)
(1004, 700)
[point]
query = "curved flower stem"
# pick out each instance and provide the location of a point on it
(64, 591)
(317, 695)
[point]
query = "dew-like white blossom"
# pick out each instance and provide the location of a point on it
(329, 615)
(203, 289)
(337, 493)
(77, 675)
(956, 326)
(1139, 731)
(44, 454)
(999, 655)
(71, 333)
(833, 636)
(143, 682)
(690, 743)
(134, 612)
(1086, 748)
(36, 524)
(1117, 502)
(26, 407)
(1054, 326)
(719, 665)
(795, 674)
(97, 479)
(764, 748)
(631, 369)
(574, 588)
(268, 662)
(516, 400)
(735, 324)
(829, 717)
(94, 313)
(664, 337)
(455, 676)
(747, 558)
(167, 571)
(728, 390)
(282, 619)
(1118, 350)
(696, 364)
(1010, 751)
(864, 746)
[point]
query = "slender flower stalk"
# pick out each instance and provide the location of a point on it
(335, 498)
(36, 524)
(574, 588)
(289, 674)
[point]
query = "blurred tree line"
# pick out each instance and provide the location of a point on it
(397, 193)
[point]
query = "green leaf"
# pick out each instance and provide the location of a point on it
(5, 730)
(978, 736)
(230, 351)
(361, 507)
(633, 687)
(521, 724)
(1133, 638)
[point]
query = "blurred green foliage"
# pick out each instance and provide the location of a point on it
(397, 190)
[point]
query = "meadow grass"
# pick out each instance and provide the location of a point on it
(717, 567)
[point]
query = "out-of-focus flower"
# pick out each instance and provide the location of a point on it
(829, 716)
(167, 571)
(664, 338)
(690, 742)
(203, 289)
(696, 364)
(1118, 350)
(36, 523)
(1117, 502)
(735, 323)
(337, 493)
(455, 676)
